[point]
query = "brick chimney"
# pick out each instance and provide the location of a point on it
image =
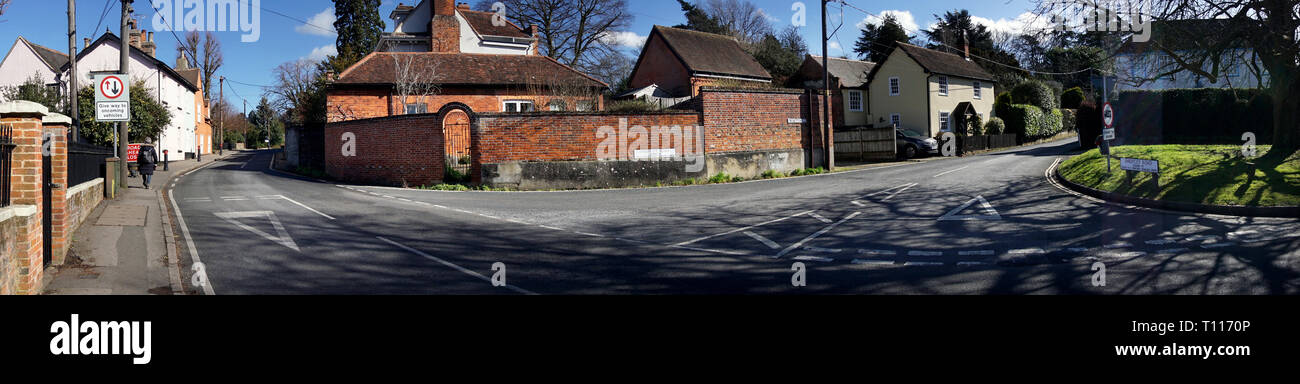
(965, 43)
(444, 27)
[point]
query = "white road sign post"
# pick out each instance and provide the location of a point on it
(1108, 134)
(112, 98)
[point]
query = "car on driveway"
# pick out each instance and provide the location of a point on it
(911, 145)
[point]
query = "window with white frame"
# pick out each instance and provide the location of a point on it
(417, 108)
(943, 85)
(944, 122)
(896, 120)
(895, 86)
(855, 101)
(979, 93)
(517, 106)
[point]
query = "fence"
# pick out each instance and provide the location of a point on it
(6, 161)
(982, 143)
(866, 144)
(86, 162)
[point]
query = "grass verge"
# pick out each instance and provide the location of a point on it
(1202, 174)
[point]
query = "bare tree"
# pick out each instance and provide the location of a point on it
(1266, 28)
(203, 51)
(414, 78)
(746, 21)
(3, 4)
(299, 91)
(574, 32)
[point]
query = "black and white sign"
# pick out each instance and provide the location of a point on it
(1139, 165)
(1108, 115)
(112, 97)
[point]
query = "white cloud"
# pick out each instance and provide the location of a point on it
(322, 24)
(905, 19)
(833, 46)
(767, 16)
(320, 53)
(624, 39)
(1025, 23)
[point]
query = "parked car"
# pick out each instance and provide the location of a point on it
(911, 145)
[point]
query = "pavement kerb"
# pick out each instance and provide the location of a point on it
(1115, 199)
(173, 255)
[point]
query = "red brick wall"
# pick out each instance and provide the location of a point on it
(368, 103)
(503, 138)
(22, 237)
(63, 224)
(745, 121)
(389, 151)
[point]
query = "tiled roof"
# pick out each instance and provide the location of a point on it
(944, 63)
(54, 58)
(711, 54)
(468, 69)
(852, 73)
(482, 23)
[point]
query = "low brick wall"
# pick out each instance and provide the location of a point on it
(81, 201)
(20, 250)
(403, 150)
(748, 132)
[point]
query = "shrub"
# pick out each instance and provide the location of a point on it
(720, 178)
(1035, 93)
(1002, 105)
(1030, 123)
(632, 106)
(1070, 119)
(771, 174)
(995, 126)
(1072, 98)
(452, 176)
(975, 126)
(1089, 124)
(1194, 116)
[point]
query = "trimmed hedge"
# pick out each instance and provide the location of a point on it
(1195, 116)
(1035, 93)
(995, 126)
(1070, 119)
(1089, 124)
(1030, 123)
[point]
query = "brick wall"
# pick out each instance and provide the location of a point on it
(20, 224)
(758, 120)
(63, 224)
(388, 151)
(367, 103)
(503, 138)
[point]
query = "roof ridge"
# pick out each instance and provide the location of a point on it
(714, 35)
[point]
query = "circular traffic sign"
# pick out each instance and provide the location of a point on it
(1108, 115)
(112, 87)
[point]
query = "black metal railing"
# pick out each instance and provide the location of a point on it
(6, 161)
(86, 162)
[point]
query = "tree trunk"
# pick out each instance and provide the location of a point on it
(1286, 121)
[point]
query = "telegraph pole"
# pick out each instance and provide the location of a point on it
(221, 130)
(125, 68)
(826, 94)
(73, 107)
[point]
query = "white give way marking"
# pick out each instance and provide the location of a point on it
(282, 237)
(989, 212)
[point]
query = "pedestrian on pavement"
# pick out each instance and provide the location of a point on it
(148, 161)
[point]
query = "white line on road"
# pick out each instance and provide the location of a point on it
(971, 263)
(899, 191)
(821, 218)
(814, 258)
(189, 242)
(925, 253)
(308, 208)
(858, 203)
(745, 228)
(1027, 251)
(453, 266)
(975, 253)
(955, 170)
(922, 264)
(822, 250)
(876, 252)
(872, 262)
(816, 235)
(768, 242)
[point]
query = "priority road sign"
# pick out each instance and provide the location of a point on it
(112, 97)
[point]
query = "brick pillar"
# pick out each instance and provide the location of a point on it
(26, 265)
(56, 131)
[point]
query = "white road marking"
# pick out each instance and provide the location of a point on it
(553, 228)
(877, 252)
(822, 250)
(1203, 238)
(816, 235)
(453, 266)
(899, 191)
(768, 242)
(975, 253)
(889, 190)
(1027, 251)
(745, 228)
(308, 208)
(922, 264)
(872, 262)
(1118, 245)
(821, 218)
(589, 234)
(1078, 250)
(925, 253)
(189, 242)
(814, 258)
(234, 199)
(971, 263)
(282, 236)
(857, 203)
(989, 212)
(955, 170)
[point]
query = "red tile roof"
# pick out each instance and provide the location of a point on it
(482, 23)
(468, 69)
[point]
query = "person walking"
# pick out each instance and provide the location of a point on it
(147, 161)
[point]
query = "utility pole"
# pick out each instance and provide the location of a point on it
(73, 107)
(125, 68)
(221, 130)
(826, 94)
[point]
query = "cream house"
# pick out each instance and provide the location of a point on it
(918, 90)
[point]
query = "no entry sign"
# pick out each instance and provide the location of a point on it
(112, 97)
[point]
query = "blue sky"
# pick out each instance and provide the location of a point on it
(286, 37)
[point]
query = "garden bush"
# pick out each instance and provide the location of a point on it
(1031, 123)
(1069, 119)
(1035, 93)
(1072, 98)
(995, 126)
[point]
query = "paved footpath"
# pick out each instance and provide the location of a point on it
(121, 249)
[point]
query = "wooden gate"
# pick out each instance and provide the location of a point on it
(866, 143)
(455, 132)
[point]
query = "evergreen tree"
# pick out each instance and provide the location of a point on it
(359, 28)
(699, 20)
(878, 40)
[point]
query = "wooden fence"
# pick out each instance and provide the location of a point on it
(983, 143)
(866, 144)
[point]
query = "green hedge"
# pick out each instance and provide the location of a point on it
(1035, 93)
(1195, 116)
(1072, 98)
(1030, 123)
(1089, 124)
(1070, 119)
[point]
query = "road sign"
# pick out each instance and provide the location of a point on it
(132, 153)
(1139, 165)
(1108, 134)
(1108, 115)
(112, 97)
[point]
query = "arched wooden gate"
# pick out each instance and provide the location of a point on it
(455, 132)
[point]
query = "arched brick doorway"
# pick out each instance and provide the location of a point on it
(455, 132)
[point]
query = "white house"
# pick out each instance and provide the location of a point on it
(26, 60)
(1146, 66)
(475, 30)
